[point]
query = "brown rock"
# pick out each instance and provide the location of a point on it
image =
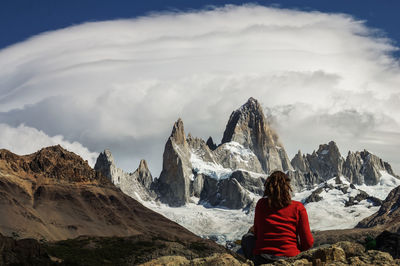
(215, 259)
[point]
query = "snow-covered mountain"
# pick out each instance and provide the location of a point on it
(212, 189)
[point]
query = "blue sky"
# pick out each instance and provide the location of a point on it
(21, 19)
(121, 84)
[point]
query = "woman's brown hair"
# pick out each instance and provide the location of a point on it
(277, 190)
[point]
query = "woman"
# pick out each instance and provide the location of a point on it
(281, 225)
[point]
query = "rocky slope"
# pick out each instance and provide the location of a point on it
(53, 194)
(388, 215)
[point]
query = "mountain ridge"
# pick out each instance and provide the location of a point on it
(195, 170)
(54, 194)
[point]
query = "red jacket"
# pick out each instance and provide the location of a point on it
(283, 232)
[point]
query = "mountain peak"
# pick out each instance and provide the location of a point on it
(144, 175)
(104, 163)
(252, 105)
(178, 132)
(245, 122)
(249, 127)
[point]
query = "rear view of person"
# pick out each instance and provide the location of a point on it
(281, 227)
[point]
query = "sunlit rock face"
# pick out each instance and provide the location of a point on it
(249, 127)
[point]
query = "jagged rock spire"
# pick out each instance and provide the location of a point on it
(143, 174)
(300, 163)
(249, 127)
(173, 185)
(210, 143)
(103, 163)
(106, 165)
(178, 132)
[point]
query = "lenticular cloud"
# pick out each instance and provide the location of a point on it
(121, 84)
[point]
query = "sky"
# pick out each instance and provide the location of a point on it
(95, 75)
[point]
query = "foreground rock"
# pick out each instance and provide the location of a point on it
(22, 252)
(95, 251)
(215, 259)
(341, 253)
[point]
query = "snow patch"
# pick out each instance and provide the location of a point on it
(217, 171)
(238, 151)
(324, 152)
(211, 169)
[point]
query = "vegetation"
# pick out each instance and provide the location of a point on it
(102, 251)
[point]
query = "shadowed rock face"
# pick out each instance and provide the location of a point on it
(23, 252)
(248, 127)
(327, 161)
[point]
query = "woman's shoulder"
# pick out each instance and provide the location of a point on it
(261, 203)
(297, 204)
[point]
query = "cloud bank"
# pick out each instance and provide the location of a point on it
(121, 84)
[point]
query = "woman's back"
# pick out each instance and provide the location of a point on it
(281, 232)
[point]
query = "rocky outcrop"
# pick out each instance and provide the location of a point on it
(23, 252)
(143, 174)
(325, 163)
(354, 198)
(53, 162)
(249, 127)
(341, 253)
(388, 215)
(225, 193)
(364, 167)
(300, 180)
(238, 191)
(210, 143)
(216, 259)
(173, 186)
(137, 185)
(300, 163)
(105, 164)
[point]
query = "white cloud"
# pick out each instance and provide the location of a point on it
(121, 84)
(26, 140)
